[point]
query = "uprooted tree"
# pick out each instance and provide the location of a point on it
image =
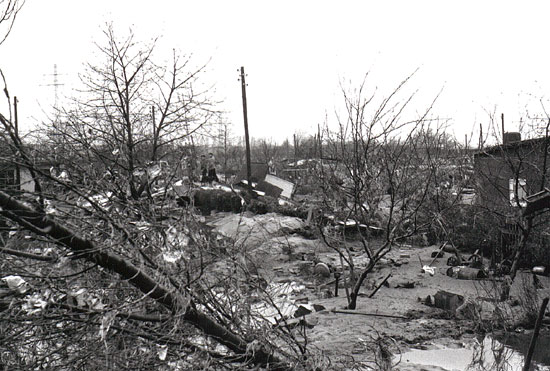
(389, 170)
(101, 267)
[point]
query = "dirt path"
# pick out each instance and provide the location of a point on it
(407, 322)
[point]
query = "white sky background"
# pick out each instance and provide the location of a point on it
(483, 55)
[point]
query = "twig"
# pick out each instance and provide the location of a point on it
(380, 285)
(133, 316)
(27, 255)
(439, 252)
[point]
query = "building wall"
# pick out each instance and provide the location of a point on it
(493, 172)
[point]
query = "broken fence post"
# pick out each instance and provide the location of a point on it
(337, 276)
(439, 252)
(420, 260)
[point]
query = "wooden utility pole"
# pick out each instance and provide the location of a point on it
(16, 129)
(16, 121)
(295, 148)
(245, 114)
(480, 146)
(320, 143)
(502, 123)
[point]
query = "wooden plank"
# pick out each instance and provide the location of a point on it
(348, 311)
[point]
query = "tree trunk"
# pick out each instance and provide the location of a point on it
(43, 225)
(521, 248)
(357, 287)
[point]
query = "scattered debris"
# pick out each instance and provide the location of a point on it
(282, 302)
(540, 270)
(303, 310)
(454, 261)
(16, 283)
(475, 260)
(207, 200)
(405, 285)
(302, 300)
(466, 273)
(322, 269)
(263, 188)
(308, 322)
(103, 201)
(445, 300)
(351, 226)
(429, 270)
(318, 307)
(287, 188)
(254, 229)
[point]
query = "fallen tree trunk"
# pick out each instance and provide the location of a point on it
(43, 225)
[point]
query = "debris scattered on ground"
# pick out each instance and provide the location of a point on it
(279, 244)
(305, 309)
(405, 284)
(429, 270)
(16, 283)
(445, 300)
(322, 269)
(466, 273)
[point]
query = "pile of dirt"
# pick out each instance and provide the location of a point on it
(253, 229)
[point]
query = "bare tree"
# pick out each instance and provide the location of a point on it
(8, 13)
(132, 112)
(266, 150)
(386, 169)
(233, 155)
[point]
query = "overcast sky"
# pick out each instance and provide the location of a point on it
(483, 56)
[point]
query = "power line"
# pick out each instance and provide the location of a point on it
(56, 84)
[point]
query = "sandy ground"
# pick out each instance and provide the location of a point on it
(346, 337)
